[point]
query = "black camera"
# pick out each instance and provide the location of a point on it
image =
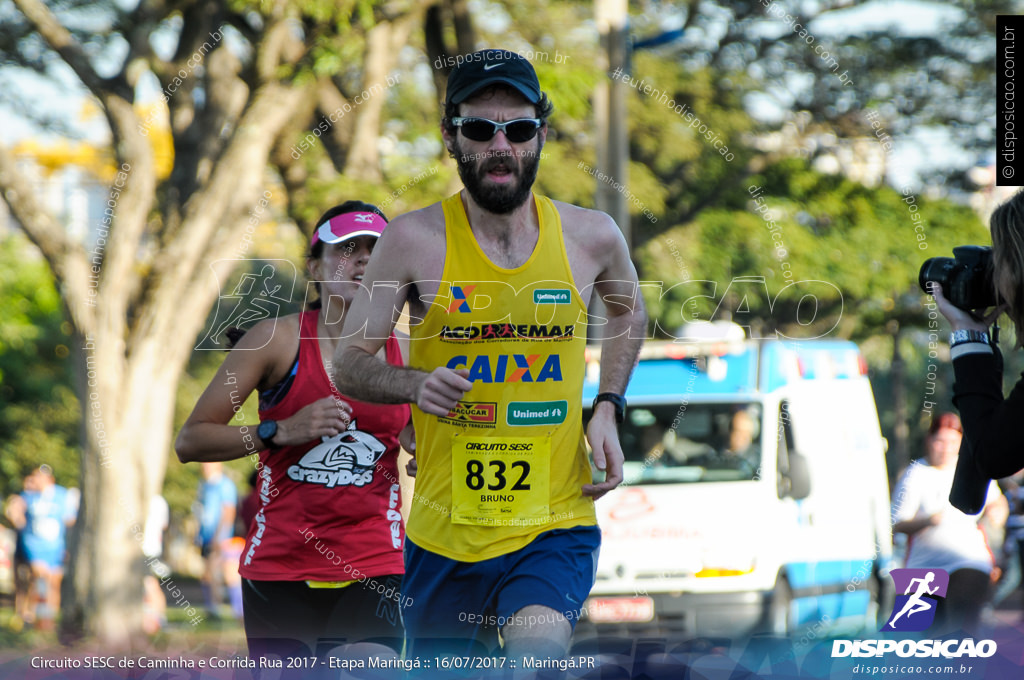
(966, 278)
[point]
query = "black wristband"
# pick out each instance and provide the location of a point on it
(617, 399)
(266, 431)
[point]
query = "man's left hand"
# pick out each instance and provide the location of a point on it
(603, 435)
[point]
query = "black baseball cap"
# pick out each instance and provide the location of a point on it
(473, 72)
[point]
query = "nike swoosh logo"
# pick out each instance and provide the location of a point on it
(490, 66)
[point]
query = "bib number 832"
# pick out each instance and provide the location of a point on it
(475, 475)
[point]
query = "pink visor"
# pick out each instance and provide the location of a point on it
(349, 225)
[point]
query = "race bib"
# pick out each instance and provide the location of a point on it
(500, 480)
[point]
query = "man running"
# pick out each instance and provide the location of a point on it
(502, 533)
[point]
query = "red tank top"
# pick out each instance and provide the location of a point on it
(329, 510)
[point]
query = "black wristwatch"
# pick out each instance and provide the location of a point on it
(617, 399)
(267, 431)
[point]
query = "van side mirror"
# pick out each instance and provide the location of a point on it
(794, 479)
(798, 477)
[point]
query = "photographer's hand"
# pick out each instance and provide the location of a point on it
(961, 320)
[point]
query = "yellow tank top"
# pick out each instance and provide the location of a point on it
(508, 463)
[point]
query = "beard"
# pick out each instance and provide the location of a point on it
(500, 199)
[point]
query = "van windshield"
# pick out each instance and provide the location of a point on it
(674, 443)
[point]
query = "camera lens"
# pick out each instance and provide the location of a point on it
(937, 269)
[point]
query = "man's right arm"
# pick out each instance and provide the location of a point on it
(367, 378)
(358, 371)
(361, 375)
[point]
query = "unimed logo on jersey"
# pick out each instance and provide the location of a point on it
(917, 593)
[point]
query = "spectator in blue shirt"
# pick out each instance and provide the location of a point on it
(42, 514)
(216, 505)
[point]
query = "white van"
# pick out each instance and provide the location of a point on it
(755, 494)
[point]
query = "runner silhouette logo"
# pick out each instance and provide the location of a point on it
(917, 593)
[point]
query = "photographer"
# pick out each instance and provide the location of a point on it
(991, 423)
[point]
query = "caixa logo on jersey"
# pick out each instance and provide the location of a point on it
(507, 368)
(918, 593)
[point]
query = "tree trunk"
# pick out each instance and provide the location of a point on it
(127, 425)
(127, 415)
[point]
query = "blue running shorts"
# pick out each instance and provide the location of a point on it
(459, 607)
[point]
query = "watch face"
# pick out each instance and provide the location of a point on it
(267, 430)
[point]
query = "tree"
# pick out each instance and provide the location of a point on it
(836, 60)
(775, 79)
(239, 78)
(791, 224)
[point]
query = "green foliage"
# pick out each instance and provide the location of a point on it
(560, 175)
(679, 129)
(39, 414)
(861, 240)
(570, 87)
(417, 184)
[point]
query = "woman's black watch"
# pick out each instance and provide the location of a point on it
(617, 399)
(267, 431)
